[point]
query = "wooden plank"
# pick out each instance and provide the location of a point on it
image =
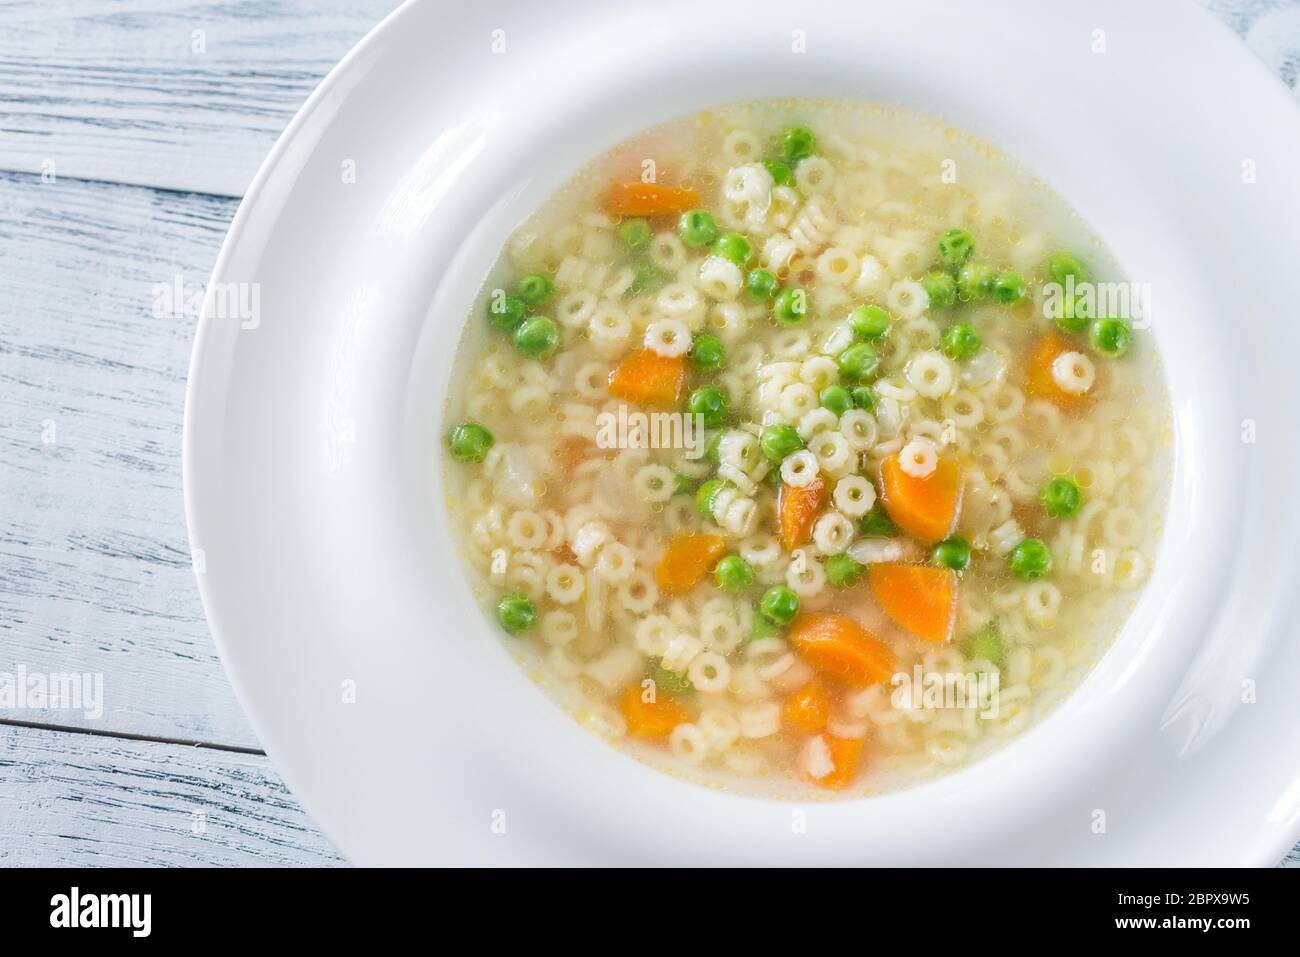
(84, 801)
(176, 94)
(95, 571)
(1271, 28)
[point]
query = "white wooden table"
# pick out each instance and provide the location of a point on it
(128, 131)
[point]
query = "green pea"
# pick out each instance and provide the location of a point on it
(536, 289)
(842, 571)
(1061, 497)
(864, 397)
(797, 142)
(635, 233)
(986, 645)
(952, 553)
(1073, 313)
(707, 495)
(671, 681)
(710, 403)
(516, 613)
(645, 276)
(941, 288)
(791, 307)
(735, 247)
(858, 362)
(760, 627)
(733, 574)
(973, 282)
(708, 352)
(538, 337)
(1110, 337)
(1063, 265)
(506, 312)
(697, 228)
(955, 247)
(869, 322)
(779, 605)
(778, 441)
(713, 446)
(1030, 560)
(469, 442)
(836, 398)
(762, 283)
(877, 523)
(1008, 288)
(782, 174)
(684, 484)
(960, 341)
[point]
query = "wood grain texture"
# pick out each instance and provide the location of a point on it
(95, 573)
(175, 94)
(1271, 29)
(77, 800)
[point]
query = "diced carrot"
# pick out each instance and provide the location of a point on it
(927, 507)
(572, 451)
(798, 507)
(840, 648)
(921, 598)
(649, 199)
(650, 719)
(1039, 380)
(809, 707)
(646, 376)
(687, 560)
(846, 756)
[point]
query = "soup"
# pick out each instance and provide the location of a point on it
(807, 447)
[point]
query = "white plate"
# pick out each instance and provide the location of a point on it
(311, 440)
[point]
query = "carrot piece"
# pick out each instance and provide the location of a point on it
(646, 376)
(809, 707)
(926, 508)
(1039, 380)
(649, 199)
(921, 598)
(841, 648)
(846, 756)
(798, 508)
(687, 560)
(572, 451)
(650, 719)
